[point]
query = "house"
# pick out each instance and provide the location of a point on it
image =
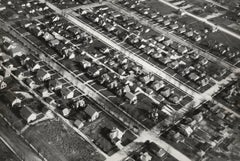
(197, 37)
(145, 157)
(109, 27)
(166, 22)
(92, 113)
(149, 50)
(119, 91)
(174, 45)
(79, 123)
(159, 98)
(28, 114)
(36, 31)
(160, 38)
(1, 78)
(122, 59)
(166, 92)
(189, 33)
(43, 92)
(204, 147)
(13, 49)
(48, 37)
(198, 117)
(74, 30)
(194, 56)
(159, 19)
(85, 64)
(147, 78)
(3, 85)
(131, 97)
(157, 85)
(51, 101)
(182, 30)
(173, 64)
(193, 76)
(79, 103)
(22, 59)
(148, 90)
(31, 83)
(94, 71)
(175, 98)
(4, 57)
(113, 84)
(43, 75)
(160, 46)
(187, 70)
(53, 42)
(134, 88)
(11, 64)
(68, 53)
(104, 78)
(129, 159)
(153, 147)
(5, 72)
(2, 7)
(182, 49)
(54, 85)
(19, 73)
(66, 111)
(105, 50)
(185, 130)
(116, 134)
(203, 81)
(67, 93)
(164, 59)
(204, 61)
(174, 26)
(121, 72)
(11, 98)
(137, 69)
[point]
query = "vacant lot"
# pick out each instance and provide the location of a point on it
(6, 154)
(60, 143)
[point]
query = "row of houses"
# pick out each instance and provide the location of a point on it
(170, 22)
(162, 49)
(24, 9)
(190, 131)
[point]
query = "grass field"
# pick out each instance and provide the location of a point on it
(58, 142)
(6, 154)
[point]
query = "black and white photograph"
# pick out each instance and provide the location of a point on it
(119, 80)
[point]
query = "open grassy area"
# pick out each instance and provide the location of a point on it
(6, 154)
(58, 142)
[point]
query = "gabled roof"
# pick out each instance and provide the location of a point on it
(26, 111)
(130, 95)
(41, 73)
(90, 110)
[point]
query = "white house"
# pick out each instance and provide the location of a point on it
(79, 123)
(43, 75)
(3, 85)
(28, 114)
(66, 93)
(131, 97)
(116, 135)
(92, 113)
